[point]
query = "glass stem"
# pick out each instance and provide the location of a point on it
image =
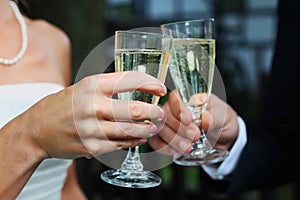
(132, 160)
(203, 143)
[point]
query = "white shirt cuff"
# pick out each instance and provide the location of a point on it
(230, 162)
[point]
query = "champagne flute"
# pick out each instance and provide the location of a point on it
(149, 53)
(192, 68)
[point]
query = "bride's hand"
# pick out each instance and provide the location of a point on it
(84, 119)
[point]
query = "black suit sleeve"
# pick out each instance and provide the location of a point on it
(271, 153)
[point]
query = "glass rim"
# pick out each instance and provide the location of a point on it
(187, 21)
(141, 33)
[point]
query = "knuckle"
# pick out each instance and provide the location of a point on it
(135, 109)
(120, 145)
(88, 82)
(132, 143)
(126, 131)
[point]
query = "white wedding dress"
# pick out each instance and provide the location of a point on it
(48, 179)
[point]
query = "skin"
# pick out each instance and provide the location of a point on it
(179, 131)
(82, 120)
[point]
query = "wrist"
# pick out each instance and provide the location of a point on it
(18, 157)
(23, 131)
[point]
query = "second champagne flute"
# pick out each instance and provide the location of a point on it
(149, 53)
(192, 70)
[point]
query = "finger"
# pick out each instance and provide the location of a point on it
(171, 121)
(175, 101)
(176, 141)
(207, 121)
(189, 131)
(125, 130)
(118, 82)
(97, 147)
(178, 109)
(118, 110)
(161, 146)
(123, 144)
(198, 99)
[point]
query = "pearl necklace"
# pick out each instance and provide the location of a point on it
(11, 61)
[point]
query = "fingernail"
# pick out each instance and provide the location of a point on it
(142, 141)
(190, 133)
(163, 89)
(161, 115)
(181, 117)
(153, 128)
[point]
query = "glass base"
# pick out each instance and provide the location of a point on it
(131, 179)
(199, 157)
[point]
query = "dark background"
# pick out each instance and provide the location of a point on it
(245, 37)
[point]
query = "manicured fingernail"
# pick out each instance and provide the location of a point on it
(161, 115)
(142, 141)
(153, 128)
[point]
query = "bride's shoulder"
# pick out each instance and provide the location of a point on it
(49, 31)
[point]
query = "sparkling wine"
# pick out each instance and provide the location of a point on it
(152, 62)
(192, 66)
